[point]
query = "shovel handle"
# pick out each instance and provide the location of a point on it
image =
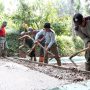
(45, 49)
(29, 51)
(78, 52)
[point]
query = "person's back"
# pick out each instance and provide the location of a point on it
(28, 41)
(41, 41)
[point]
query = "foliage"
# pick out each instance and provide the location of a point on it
(66, 45)
(42, 13)
(1, 7)
(62, 26)
(87, 7)
(1, 12)
(36, 14)
(78, 43)
(12, 43)
(77, 6)
(26, 14)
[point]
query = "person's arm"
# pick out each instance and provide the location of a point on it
(25, 36)
(43, 38)
(38, 34)
(85, 38)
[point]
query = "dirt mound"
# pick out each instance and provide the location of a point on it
(66, 73)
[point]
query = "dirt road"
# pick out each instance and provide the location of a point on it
(14, 76)
(22, 75)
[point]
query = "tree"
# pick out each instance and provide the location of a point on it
(1, 12)
(87, 6)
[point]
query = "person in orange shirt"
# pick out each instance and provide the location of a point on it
(3, 39)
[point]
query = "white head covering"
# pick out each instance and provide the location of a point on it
(22, 33)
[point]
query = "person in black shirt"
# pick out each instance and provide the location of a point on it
(28, 41)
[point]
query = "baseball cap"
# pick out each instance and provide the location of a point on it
(30, 29)
(78, 18)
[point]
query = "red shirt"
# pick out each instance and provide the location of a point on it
(2, 32)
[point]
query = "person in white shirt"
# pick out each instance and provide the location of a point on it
(50, 42)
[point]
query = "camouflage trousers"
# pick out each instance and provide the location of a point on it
(54, 50)
(3, 51)
(87, 56)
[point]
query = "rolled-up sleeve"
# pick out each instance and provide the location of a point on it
(41, 32)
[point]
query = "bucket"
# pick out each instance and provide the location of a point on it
(87, 66)
(41, 59)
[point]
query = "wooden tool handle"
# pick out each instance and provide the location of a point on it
(45, 50)
(29, 51)
(78, 52)
(40, 46)
(73, 63)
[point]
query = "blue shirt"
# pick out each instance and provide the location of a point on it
(49, 37)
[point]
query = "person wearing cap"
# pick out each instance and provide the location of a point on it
(41, 39)
(82, 29)
(50, 42)
(3, 51)
(27, 41)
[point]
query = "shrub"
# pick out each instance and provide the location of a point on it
(12, 43)
(66, 45)
(78, 43)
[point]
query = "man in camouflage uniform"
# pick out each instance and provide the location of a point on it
(82, 28)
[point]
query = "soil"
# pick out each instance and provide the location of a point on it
(67, 73)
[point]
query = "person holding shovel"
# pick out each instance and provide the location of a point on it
(41, 39)
(82, 28)
(28, 41)
(50, 42)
